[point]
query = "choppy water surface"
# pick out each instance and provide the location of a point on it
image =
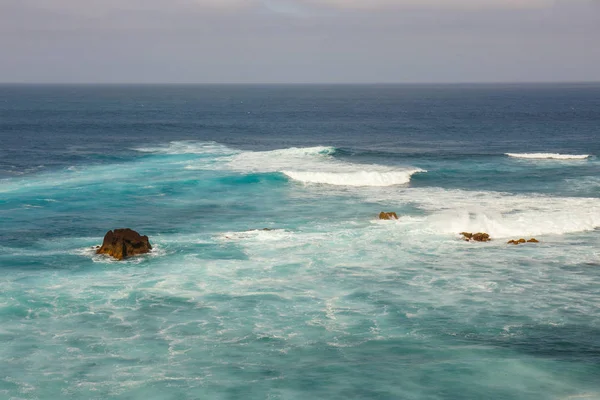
(329, 302)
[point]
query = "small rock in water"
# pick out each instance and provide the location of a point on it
(123, 243)
(520, 241)
(476, 237)
(481, 237)
(388, 215)
(467, 236)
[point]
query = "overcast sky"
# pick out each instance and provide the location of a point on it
(275, 41)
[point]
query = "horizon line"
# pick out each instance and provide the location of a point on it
(83, 83)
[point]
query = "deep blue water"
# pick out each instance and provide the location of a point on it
(330, 303)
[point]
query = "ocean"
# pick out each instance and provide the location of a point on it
(271, 275)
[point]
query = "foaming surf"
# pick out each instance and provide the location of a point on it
(187, 147)
(355, 178)
(548, 156)
(316, 165)
(308, 165)
(90, 252)
(259, 235)
(502, 215)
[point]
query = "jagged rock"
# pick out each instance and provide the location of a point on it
(533, 240)
(481, 237)
(123, 243)
(388, 215)
(476, 237)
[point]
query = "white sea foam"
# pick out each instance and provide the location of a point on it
(317, 166)
(357, 178)
(90, 252)
(313, 165)
(188, 147)
(549, 156)
(259, 235)
(499, 214)
(278, 160)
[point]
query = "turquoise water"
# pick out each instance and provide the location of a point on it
(330, 302)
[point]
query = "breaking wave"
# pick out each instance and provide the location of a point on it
(310, 165)
(548, 156)
(316, 165)
(357, 178)
(502, 215)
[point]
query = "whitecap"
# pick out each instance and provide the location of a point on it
(316, 165)
(548, 156)
(187, 147)
(355, 178)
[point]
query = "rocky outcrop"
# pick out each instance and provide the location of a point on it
(521, 241)
(481, 237)
(388, 215)
(476, 237)
(123, 243)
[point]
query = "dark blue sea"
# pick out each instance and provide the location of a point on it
(330, 302)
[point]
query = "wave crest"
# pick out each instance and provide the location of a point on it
(317, 165)
(188, 147)
(548, 156)
(357, 178)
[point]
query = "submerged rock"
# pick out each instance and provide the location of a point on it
(476, 237)
(123, 243)
(388, 215)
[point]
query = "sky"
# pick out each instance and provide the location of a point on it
(299, 41)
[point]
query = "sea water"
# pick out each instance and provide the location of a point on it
(271, 276)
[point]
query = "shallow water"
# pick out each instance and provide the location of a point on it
(330, 302)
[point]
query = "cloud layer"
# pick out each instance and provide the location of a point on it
(299, 40)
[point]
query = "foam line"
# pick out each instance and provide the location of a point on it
(548, 156)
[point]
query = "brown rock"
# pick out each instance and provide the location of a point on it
(467, 236)
(388, 215)
(123, 243)
(476, 237)
(533, 240)
(512, 242)
(522, 241)
(481, 237)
